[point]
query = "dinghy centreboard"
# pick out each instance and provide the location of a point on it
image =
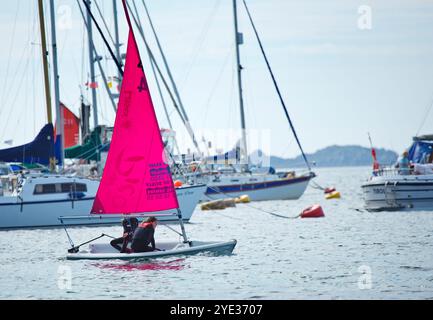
(136, 178)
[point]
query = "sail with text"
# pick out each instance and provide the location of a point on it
(136, 177)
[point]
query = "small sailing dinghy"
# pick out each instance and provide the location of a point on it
(137, 179)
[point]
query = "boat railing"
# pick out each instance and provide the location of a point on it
(391, 171)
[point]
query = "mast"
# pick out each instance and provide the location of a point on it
(278, 89)
(101, 69)
(116, 36)
(45, 60)
(59, 111)
(45, 65)
(92, 64)
(239, 42)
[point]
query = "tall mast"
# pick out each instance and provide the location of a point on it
(101, 69)
(45, 60)
(45, 65)
(92, 65)
(116, 36)
(278, 89)
(239, 42)
(59, 111)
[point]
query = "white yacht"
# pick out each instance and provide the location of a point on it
(258, 186)
(37, 201)
(391, 189)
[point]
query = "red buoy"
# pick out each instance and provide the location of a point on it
(315, 211)
(329, 190)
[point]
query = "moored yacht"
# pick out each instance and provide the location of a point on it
(258, 186)
(37, 201)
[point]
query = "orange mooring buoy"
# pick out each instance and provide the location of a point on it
(329, 190)
(315, 211)
(178, 184)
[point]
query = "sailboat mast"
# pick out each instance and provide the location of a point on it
(92, 64)
(101, 69)
(116, 36)
(239, 42)
(46, 77)
(45, 60)
(59, 111)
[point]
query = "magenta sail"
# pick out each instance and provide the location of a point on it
(136, 178)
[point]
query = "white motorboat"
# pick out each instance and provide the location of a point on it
(39, 200)
(389, 189)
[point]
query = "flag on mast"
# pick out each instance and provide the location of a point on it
(376, 165)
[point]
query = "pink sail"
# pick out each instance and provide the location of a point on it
(136, 178)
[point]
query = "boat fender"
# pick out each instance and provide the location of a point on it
(333, 195)
(314, 211)
(178, 184)
(243, 199)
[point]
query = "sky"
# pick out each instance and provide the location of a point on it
(345, 69)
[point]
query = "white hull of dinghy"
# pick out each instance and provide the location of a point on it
(107, 252)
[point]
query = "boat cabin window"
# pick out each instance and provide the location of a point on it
(74, 187)
(50, 188)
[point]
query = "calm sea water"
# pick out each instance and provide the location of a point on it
(349, 254)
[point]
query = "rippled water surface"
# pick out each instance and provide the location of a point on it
(349, 254)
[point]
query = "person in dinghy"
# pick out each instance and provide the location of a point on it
(129, 226)
(144, 235)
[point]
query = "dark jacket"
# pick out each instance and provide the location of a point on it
(143, 236)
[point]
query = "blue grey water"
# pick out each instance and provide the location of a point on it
(349, 254)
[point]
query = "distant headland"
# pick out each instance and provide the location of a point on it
(333, 156)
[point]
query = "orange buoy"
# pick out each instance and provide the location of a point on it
(178, 184)
(329, 190)
(315, 211)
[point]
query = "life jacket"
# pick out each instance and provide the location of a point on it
(145, 224)
(143, 235)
